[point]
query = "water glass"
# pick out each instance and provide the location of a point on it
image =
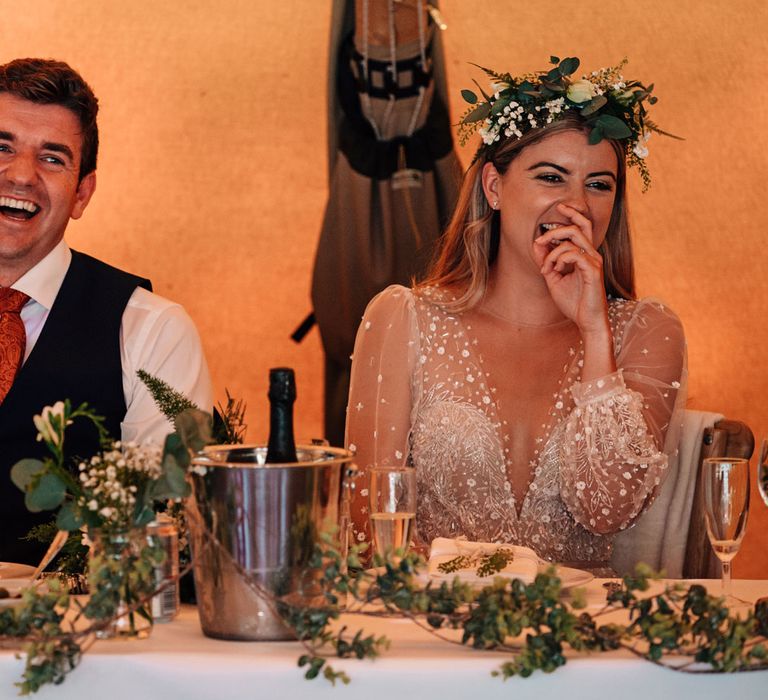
(726, 504)
(762, 471)
(392, 492)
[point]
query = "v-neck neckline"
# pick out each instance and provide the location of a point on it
(543, 435)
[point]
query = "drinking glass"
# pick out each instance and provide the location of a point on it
(762, 471)
(392, 492)
(726, 504)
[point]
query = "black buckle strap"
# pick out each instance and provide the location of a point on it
(383, 84)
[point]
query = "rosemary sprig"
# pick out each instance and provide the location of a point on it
(231, 430)
(487, 563)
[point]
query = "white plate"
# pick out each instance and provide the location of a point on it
(573, 578)
(569, 577)
(9, 570)
(15, 586)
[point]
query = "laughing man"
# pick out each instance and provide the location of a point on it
(74, 327)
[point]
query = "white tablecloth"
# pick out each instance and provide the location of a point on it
(177, 661)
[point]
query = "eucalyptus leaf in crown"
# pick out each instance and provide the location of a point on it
(610, 105)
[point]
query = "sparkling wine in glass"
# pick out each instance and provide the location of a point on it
(392, 493)
(726, 504)
(762, 471)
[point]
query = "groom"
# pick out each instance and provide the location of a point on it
(71, 327)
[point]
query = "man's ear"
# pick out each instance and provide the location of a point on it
(491, 185)
(85, 191)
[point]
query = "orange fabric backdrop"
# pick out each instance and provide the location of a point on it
(212, 173)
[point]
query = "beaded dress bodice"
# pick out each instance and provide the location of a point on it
(423, 393)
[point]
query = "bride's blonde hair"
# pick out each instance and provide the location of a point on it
(470, 242)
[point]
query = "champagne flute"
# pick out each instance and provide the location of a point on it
(392, 492)
(762, 471)
(726, 504)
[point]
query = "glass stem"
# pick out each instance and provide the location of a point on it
(726, 578)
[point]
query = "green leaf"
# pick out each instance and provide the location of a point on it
(568, 66)
(613, 127)
(554, 87)
(24, 471)
(499, 105)
(143, 516)
(596, 135)
(194, 428)
(68, 518)
(175, 450)
(172, 484)
(490, 74)
(47, 494)
(477, 114)
(594, 105)
(469, 96)
(554, 59)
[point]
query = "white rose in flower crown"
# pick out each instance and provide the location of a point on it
(581, 91)
(45, 427)
(640, 149)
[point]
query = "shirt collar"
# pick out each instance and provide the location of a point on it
(43, 281)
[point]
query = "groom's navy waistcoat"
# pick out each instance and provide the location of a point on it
(76, 357)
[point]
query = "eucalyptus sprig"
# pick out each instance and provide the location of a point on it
(55, 628)
(46, 482)
(113, 492)
(116, 489)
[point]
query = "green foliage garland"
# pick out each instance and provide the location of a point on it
(533, 623)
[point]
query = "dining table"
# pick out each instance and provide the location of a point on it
(179, 661)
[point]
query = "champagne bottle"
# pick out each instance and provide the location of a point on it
(282, 393)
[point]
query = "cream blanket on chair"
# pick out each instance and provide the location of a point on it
(659, 536)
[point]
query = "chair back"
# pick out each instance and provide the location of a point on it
(671, 534)
(728, 438)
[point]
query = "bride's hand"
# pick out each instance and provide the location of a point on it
(573, 271)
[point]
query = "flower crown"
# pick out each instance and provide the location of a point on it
(611, 106)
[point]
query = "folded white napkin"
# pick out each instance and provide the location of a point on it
(524, 566)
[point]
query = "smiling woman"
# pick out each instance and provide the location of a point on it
(539, 401)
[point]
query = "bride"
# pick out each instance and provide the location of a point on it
(537, 398)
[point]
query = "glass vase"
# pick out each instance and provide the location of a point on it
(121, 581)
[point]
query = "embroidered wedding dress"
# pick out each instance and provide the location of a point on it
(558, 469)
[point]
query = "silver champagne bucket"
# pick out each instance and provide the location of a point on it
(253, 527)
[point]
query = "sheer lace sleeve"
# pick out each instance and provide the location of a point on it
(625, 427)
(382, 391)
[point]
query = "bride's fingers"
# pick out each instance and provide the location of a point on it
(581, 221)
(556, 237)
(568, 252)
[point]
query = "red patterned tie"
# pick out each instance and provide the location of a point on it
(13, 338)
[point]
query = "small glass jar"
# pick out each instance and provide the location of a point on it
(113, 572)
